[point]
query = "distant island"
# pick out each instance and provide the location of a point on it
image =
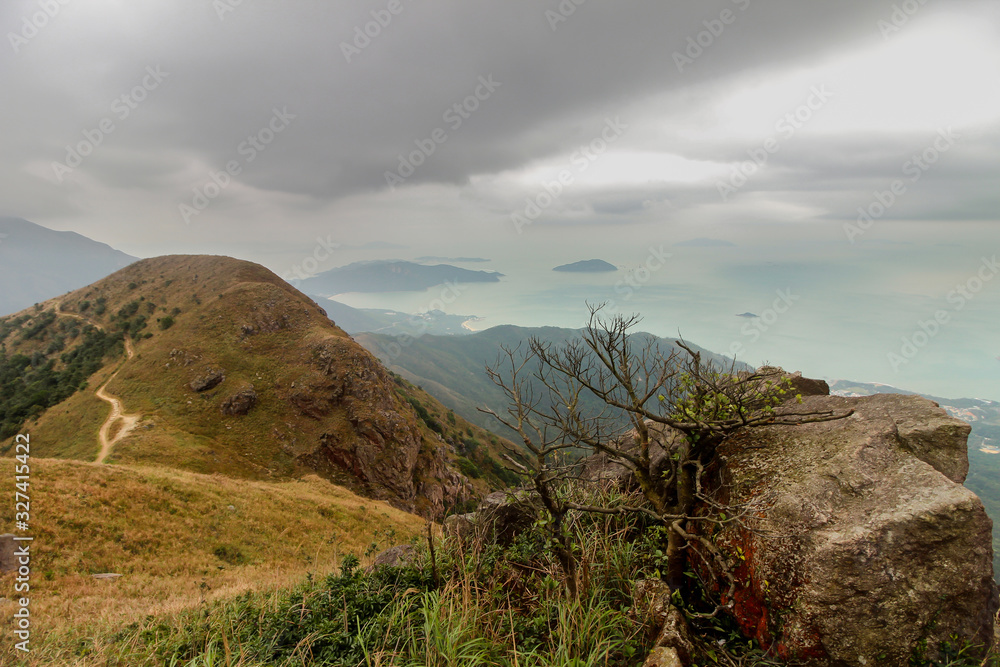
(394, 323)
(391, 276)
(748, 315)
(587, 266)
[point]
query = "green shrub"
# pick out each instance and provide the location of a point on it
(469, 469)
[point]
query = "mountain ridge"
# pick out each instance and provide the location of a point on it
(213, 332)
(391, 276)
(38, 263)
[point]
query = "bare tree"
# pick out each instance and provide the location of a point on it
(543, 439)
(641, 389)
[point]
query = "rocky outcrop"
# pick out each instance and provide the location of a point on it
(401, 555)
(503, 515)
(651, 602)
(209, 380)
(240, 403)
(371, 434)
(864, 542)
(798, 385)
(499, 519)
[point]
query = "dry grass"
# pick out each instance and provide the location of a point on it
(215, 302)
(175, 540)
(71, 427)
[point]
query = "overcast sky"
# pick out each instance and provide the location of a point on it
(763, 123)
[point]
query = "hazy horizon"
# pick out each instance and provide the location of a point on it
(849, 153)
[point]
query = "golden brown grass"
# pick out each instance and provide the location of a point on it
(175, 540)
(215, 302)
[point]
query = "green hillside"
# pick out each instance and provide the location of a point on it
(237, 373)
(452, 368)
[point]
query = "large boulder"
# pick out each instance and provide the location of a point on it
(401, 555)
(601, 467)
(863, 542)
(503, 515)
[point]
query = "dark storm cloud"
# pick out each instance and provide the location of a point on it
(227, 73)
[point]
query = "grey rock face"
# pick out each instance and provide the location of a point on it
(210, 380)
(502, 515)
(864, 540)
(373, 436)
(398, 556)
(240, 403)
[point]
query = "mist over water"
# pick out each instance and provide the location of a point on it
(825, 307)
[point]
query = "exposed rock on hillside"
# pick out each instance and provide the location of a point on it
(500, 517)
(210, 380)
(240, 403)
(865, 542)
(251, 379)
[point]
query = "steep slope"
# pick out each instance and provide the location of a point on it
(37, 263)
(452, 368)
(236, 372)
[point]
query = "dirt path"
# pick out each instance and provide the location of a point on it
(117, 412)
(117, 409)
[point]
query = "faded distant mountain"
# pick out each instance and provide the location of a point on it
(452, 368)
(587, 266)
(391, 276)
(37, 263)
(393, 322)
(973, 410)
